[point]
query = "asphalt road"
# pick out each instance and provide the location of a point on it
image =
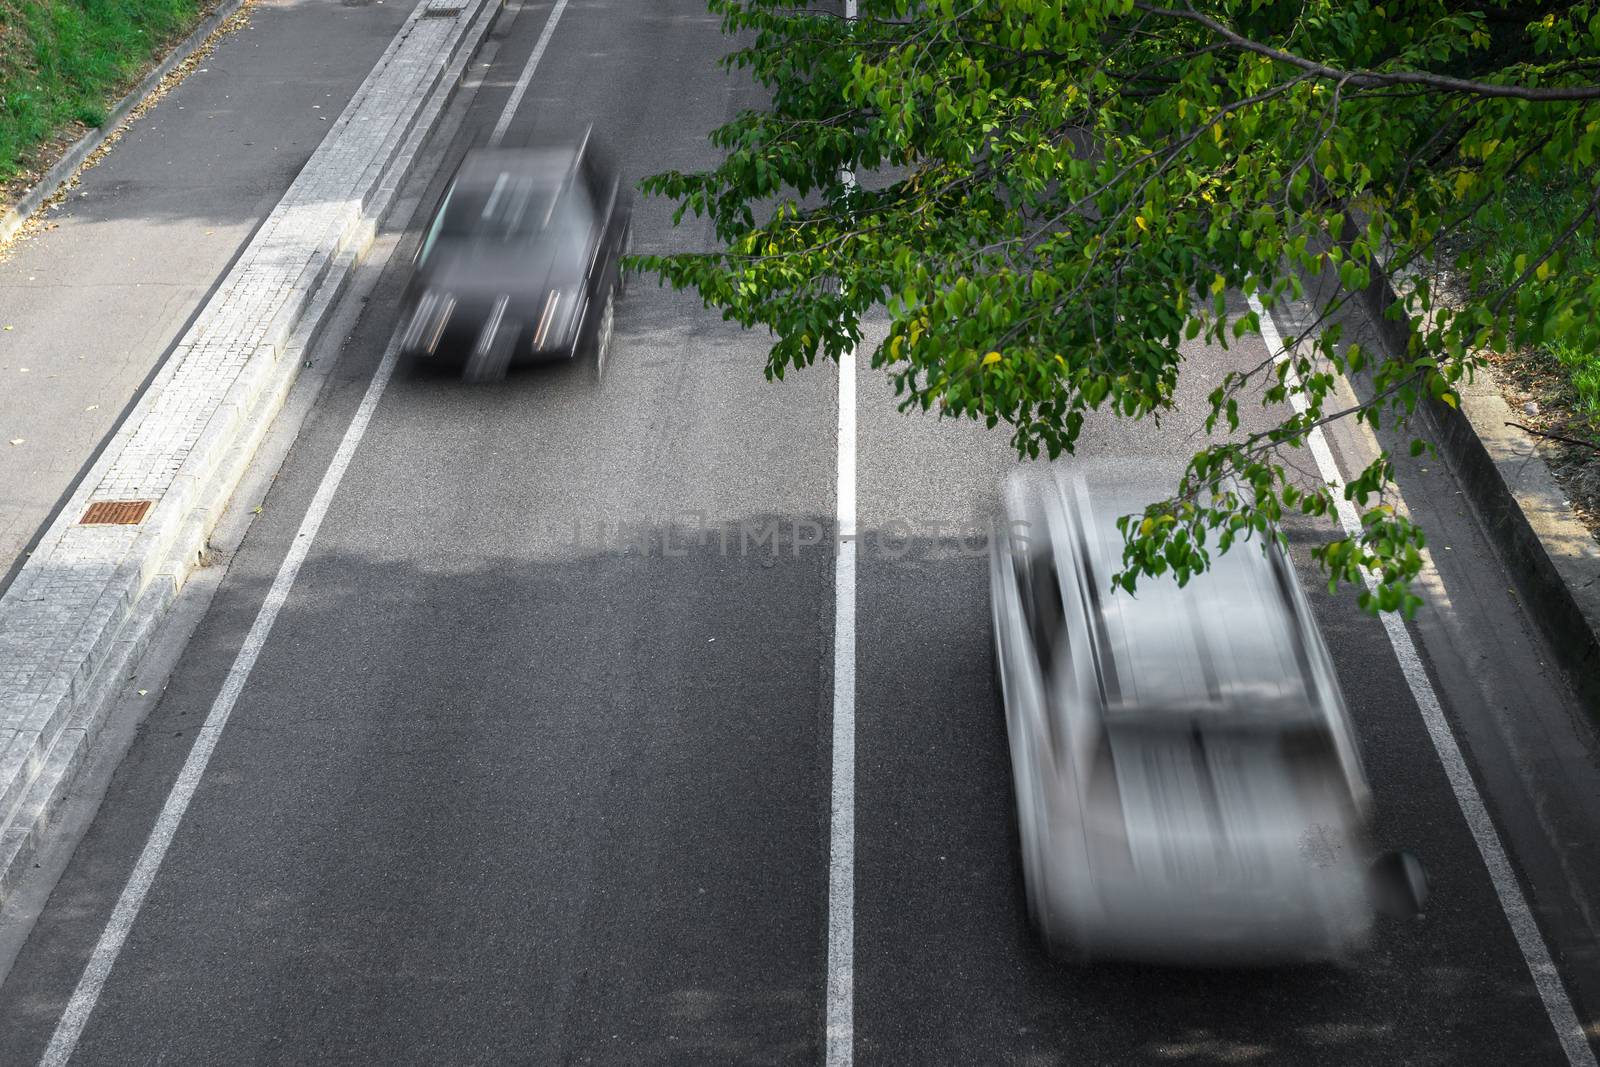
(498, 791)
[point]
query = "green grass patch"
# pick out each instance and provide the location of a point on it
(67, 61)
(1534, 216)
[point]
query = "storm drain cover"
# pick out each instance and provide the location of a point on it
(115, 513)
(442, 11)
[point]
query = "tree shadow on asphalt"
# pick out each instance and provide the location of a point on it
(566, 798)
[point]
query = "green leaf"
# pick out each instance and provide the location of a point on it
(1040, 287)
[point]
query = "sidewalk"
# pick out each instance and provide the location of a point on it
(93, 306)
(85, 603)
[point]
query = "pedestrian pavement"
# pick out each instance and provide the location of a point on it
(84, 603)
(93, 304)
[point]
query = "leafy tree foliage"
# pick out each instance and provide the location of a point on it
(1056, 194)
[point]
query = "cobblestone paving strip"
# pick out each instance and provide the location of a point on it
(88, 594)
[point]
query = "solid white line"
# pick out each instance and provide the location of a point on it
(84, 997)
(87, 993)
(842, 823)
(527, 74)
(1523, 926)
(840, 1046)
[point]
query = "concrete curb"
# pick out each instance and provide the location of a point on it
(66, 168)
(1550, 554)
(121, 590)
(33, 817)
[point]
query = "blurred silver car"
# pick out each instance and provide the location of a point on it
(1187, 782)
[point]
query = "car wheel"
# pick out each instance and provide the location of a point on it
(1055, 945)
(602, 336)
(1028, 862)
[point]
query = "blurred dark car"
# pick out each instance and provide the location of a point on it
(520, 261)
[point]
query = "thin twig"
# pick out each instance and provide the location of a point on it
(1556, 436)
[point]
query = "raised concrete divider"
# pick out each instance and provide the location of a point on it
(1548, 551)
(82, 609)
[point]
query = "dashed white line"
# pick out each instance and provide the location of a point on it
(526, 77)
(104, 957)
(1546, 979)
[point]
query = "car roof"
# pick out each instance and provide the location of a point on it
(1231, 636)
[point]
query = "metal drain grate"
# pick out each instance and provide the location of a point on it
(115, 513)
(442, 11)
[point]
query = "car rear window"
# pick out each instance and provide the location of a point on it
(1227, 638)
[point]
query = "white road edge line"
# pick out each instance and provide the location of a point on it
(1523, 926)
(526, 77)
(87, 993)
(104, 957)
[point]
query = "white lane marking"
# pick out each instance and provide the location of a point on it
(527, 73)
(840, 1046)
(842, 823)
(1523, 926)
(87, 993)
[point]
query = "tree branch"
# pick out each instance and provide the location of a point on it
(1563, 438)
(1555, 246)
(1371, 79)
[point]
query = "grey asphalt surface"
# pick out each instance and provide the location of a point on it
(498, 792)
(948, 970)
(93, 306)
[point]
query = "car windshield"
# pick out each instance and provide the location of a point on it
(518, 211)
